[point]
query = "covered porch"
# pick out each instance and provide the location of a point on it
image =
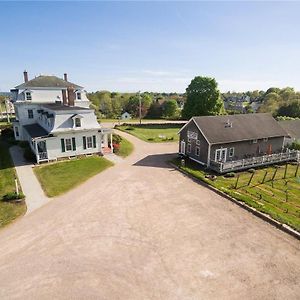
(229, 166)
(36, 137)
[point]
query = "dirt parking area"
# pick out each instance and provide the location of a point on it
(142, 230)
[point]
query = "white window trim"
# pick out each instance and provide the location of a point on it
(254, 141)
(70, 144)
(79, 122)
(30, 95)
(31, 110)
(266, 139)
(198, 142)
(220, 150)
(189, 148)
(87, 143)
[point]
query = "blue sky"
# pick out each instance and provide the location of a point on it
(152, 46)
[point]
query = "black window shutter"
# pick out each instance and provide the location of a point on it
(94, 141)
(84, 142)
(73, 143)
(63, 149)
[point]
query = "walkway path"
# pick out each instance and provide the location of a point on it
(141, 230)
(35, 196)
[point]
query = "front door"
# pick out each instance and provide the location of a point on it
(221, 154)
(182, 147)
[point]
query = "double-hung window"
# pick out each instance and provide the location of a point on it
(189, 148)
(28, 96)
(89, 142)
(30, 114)
(78, 96)
(231, 152)
(68, 143)
(77, 122)
(197, 151)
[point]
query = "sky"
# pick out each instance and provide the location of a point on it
(152, 46)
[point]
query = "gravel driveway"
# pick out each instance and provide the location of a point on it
(142, 230)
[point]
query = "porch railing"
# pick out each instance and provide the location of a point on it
(223, 167)
(42, 156)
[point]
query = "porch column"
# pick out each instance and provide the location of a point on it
(111, 144)
(36, 152)
(100, 141)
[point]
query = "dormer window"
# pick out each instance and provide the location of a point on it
(78, 95)
(77, 122)
(28, 96)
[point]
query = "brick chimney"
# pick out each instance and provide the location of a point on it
(71, 96)
(64, 97)
(25, 76)
(65, 76)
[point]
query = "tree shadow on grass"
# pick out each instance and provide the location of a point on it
(156, 160)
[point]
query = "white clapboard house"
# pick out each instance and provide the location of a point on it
(53, 115)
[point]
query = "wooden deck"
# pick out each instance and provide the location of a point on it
(229, 166)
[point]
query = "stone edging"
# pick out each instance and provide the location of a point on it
(265, 217)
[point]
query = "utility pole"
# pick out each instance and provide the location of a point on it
(140, 106)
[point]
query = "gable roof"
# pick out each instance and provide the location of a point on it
(47, 81)
(244, 127)
(292, 127)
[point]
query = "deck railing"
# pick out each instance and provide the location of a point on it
(223, 167)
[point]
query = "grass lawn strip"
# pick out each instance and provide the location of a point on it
(126, 148)
(9, 211)
(263, 197)
(60, 177)
(153, 133)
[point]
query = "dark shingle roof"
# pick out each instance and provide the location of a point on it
(35, 130)
(244, 127)
(292, 127)
(61, 107)
(47, 81)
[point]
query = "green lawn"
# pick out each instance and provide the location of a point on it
(154, 133)
(125, 149)
(266, 197)
(60, 177)
(8, 211)
(128, 121)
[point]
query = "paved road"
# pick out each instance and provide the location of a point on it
(35, 196)
(141, 230)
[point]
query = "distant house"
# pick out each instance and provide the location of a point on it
(125, 116)
(53, 116)
(235, 142)
(292, 127)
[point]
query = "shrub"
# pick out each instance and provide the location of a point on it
(116, 148)
(129, 128)
(117, 139)
(150, 139)
(295, 146)
(7, 133)
(251, 170)
(228, 175)
(13, 196)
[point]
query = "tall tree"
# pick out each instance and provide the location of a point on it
(203, 98)
(170, 108)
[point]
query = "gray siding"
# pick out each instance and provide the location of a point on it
(243, 148)
(203, 143)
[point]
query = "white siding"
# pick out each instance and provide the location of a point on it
(54, 144)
